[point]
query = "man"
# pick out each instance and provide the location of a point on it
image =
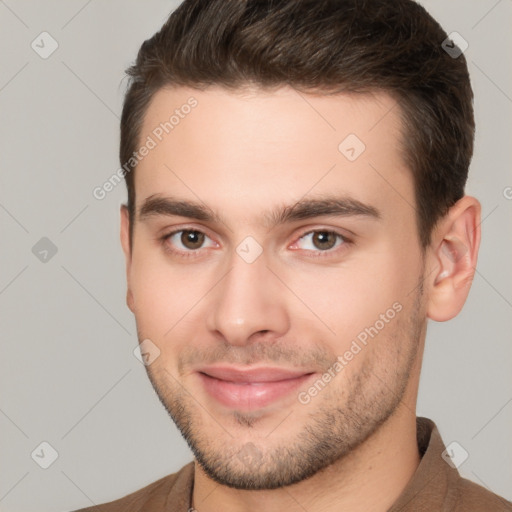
(296, 213)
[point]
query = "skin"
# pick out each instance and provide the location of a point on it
(245, 153)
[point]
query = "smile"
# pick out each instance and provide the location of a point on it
(250, 389)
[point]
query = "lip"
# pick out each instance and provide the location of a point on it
(250, 388)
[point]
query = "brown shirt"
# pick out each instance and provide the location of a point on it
(435, 486)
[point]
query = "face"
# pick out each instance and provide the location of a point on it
(275, 271)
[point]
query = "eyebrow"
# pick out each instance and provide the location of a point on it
(157, 205)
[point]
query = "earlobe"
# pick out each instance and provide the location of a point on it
(129, 300)
(454, 252)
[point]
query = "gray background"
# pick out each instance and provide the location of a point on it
(68, 373)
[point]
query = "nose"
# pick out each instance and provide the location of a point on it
(247, 303)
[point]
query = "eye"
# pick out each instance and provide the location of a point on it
(321, 240)
(186, 241)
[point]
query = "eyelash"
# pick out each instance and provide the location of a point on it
(314, 254)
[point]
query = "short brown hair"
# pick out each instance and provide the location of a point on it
(321, 46)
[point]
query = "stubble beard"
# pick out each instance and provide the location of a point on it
(333, 428)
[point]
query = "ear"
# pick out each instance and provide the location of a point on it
(453, 254)
(125, 243)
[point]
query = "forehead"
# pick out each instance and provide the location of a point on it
(249, 149)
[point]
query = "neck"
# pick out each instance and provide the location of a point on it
(369, 478)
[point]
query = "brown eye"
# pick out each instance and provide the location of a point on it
(321, 241)
(187, 243)
(192, 239)
(324, 240)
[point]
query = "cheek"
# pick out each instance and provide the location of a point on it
(162, 294)
(352, 297)
(169, 298)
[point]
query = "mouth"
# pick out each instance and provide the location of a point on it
(251, 388)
